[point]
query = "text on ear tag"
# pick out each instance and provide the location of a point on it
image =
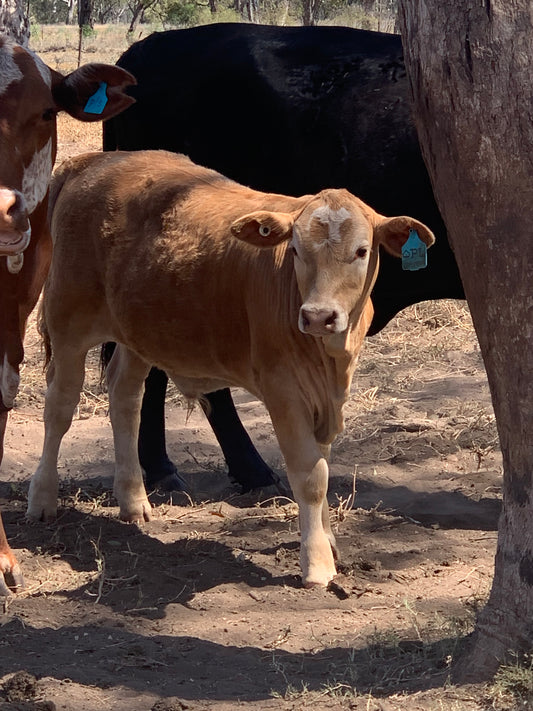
(414, 253)
(96, 103)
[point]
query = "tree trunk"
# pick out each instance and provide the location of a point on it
(310, 11)
(85, 13)
(470, 65)
(71, 8)
(14, 20)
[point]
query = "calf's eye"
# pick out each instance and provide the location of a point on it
(361, 253)
(49, 114)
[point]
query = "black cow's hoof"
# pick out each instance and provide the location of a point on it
(167, 479)
(259, 479)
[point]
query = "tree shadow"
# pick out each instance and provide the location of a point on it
(107, 656)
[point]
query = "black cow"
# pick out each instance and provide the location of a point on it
(290, 110)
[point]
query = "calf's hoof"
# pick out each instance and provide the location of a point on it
(139, 512)
(318, 569)
(41, 511)
(11, 579)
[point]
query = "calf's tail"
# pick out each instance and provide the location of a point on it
(45, 336)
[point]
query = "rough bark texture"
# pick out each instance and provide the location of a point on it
(310, 11)
(470, 65)
(14, 20)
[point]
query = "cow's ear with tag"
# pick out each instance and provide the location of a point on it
(263, 229)
(393, 233)
(94, 92)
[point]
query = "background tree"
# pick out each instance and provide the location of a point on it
(14, 20)
(470, 66)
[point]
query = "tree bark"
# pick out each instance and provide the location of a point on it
(70, 12)
(14, 20)
(470, 65)
(310, 12)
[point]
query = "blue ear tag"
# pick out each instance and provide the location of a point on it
(97, 101)
(414, 253)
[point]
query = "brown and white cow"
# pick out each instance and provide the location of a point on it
(145, 253)
(31, 95)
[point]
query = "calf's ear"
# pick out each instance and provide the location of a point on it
(103, 85)
(393, 233)
(263, 229)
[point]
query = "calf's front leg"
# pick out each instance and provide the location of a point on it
(308, 473)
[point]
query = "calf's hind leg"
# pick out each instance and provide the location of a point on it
(65, 379)
(125, 375)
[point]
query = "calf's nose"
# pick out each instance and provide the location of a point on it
(13, 213)
(317, 321)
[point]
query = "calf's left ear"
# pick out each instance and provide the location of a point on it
(103, 84)
(263, 229)
(393, 233)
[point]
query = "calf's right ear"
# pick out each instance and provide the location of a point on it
(106, 81)
(263, 228)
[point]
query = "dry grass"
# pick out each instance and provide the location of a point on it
(58, 44)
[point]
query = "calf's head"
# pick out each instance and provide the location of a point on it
(31, 95)
(335, 243)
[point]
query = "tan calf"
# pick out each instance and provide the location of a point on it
(145, 253)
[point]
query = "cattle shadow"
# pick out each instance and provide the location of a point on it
(104, 655)
(443, 509)
(144, 573)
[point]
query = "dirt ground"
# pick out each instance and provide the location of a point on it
(202, 608)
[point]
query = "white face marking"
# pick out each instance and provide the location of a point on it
(333, 218)
(44, 71)
(9, 383)
(9, 71)
(37, 176)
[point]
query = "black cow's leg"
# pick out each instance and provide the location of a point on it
(245, 465)
(160, 471)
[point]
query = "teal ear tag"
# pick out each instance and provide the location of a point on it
(96, 103)
(414, 253)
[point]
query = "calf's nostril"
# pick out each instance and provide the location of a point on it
(15, 208)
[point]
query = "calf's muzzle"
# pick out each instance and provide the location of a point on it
(15, 229)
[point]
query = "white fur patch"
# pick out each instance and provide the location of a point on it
(9, 382)
(37, 176)
(44, 71)
(333, 218)
(9, 71)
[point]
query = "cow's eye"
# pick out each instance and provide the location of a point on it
(293, 250)
(49, 114)
(361, 253)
